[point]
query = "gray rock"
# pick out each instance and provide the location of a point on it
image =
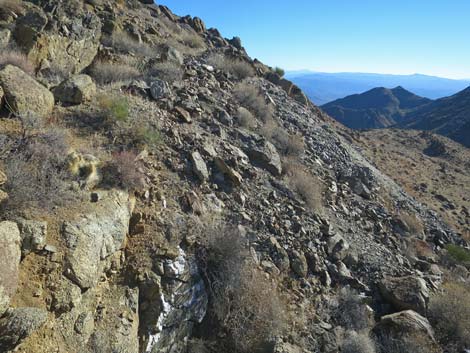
(338, 247)
(199, 166)
(159, 89)
(232, 174)
(95, 236)
(76, 90)
(5, 36)
(18, 324)
(10, 255)
(24, 94)
(298, 264)
(172, 55)
(33, 234)
(405, 293)
(264, 154)
(224, 117)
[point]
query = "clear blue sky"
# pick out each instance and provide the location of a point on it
(385, 36)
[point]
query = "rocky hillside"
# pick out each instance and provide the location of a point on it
(375, 109)
(161, 191)
(447, 116)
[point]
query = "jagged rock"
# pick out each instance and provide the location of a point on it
(338, 247)
(95, 236)
(23, 95)
(5, 36)
(224, 117)
(236, 42)
(279, 255)
(75, 90)
(33, 234)
(159, 89)
(233, 175)
(298, 264)
(405, 293)
(264, 154)
(406, 324)
(184, 115)
(72, 48)
(10, 255)
(199, 166)
(19, 323)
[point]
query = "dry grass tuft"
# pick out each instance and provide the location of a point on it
(126, 44)
(192, 40)
(250, 98)
(357, 342)
(106, 73)
(245, 118)
(240, 69)
(308, 187)
(124, 171)
(167, 71)
(16, 58)
(414, 224)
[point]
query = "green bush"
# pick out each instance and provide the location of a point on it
(458, 253)
(115, 108)
(279, 71)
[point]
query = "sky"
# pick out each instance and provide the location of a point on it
(384, 36)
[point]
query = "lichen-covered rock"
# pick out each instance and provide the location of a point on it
(10, 255)
(23, 94)
(75, 90)
(18, 324)
(95, 236)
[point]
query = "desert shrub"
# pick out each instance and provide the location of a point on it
(279, 71)
(146, 134)
(287, 144)
(243, 301)
(107, 73)
(357, 342)
(250, 98)
(16, 58)
(350, 312)
(192, 40)
(126, 44)
(114, 107)
(306, 186)
(166, 71)
(449, 312)
(124, 171)
(240, 69)
(245, 118)
(37, 173)
(458, 254)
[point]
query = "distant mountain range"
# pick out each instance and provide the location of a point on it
(398, 107)
(322, 88)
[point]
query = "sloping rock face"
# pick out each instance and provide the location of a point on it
(68, 41)
(10, 254)
(23, 94)
(96, 236)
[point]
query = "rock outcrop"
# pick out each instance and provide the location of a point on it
(10, 255)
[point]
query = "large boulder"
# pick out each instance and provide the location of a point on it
(69, 40)
(18, 324)
(95, 236)
(23, 94)
(405, 293)
(75, 90)
(10, 255)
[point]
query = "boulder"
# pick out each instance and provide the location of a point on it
(400, 326)
(199, 166)
(10, 255)
(172, 55)
(33, 234)
(232, 174)
(337, 247)
(23, 94)
(19, 323)
(95, 236)
(405, 293)
(71, 42)
(75, 90)
(264, 154)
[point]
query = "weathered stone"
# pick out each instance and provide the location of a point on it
(184, 114)
(3, 196)
(224, 117)
(75, 90)
(10, 255)
(284, 347)
(199, 166)
(23, 95)
(338, 247)
(405, 293)
(33, 234)
(66, 297)
(85, 324)
(95, 236)
(159, 89)
(3, 176)
(18, 324)
(172, 55)
(264, 154)
(5, 35)
(233, 175)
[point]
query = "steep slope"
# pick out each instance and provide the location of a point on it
(448, 116)
(179, 196)
(377, 108)
(323, 88)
